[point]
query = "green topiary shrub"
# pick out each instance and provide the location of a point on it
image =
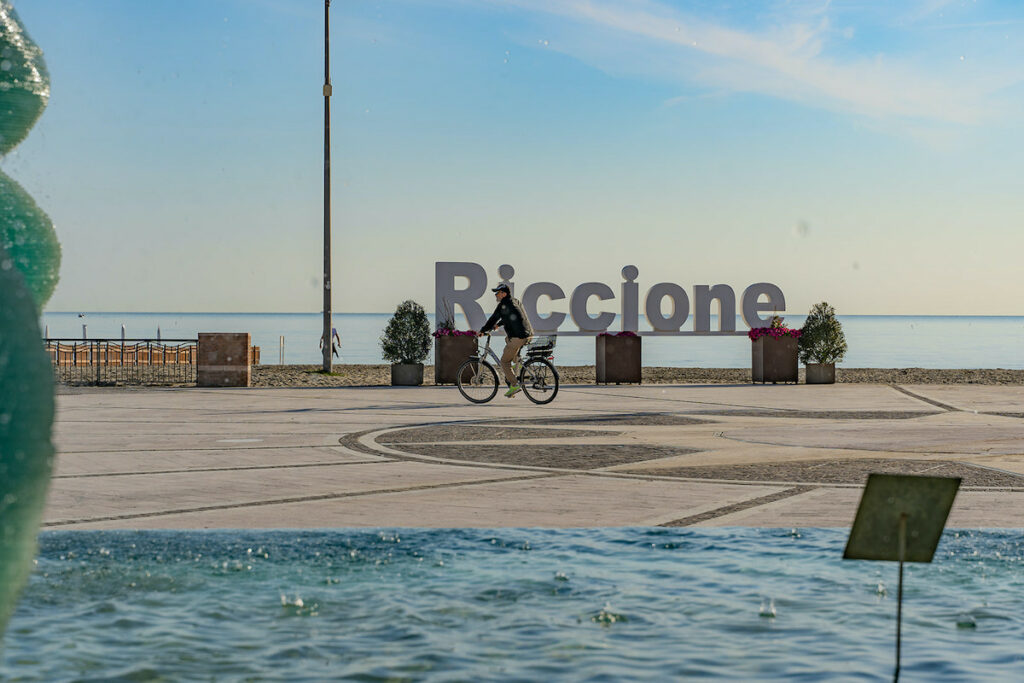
(406, 339)
(821, 338)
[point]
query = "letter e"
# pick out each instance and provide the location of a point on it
(752, 306)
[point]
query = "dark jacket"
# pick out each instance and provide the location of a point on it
(513, 319)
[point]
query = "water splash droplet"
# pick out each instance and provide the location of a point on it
(606, 617)
(965, 620)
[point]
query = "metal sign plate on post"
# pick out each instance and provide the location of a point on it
(900, 519)
(924, 501)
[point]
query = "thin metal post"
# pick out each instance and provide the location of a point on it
(84, 332)
(280, 359)
(899, 594)
(327, 187)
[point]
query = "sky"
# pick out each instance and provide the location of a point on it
(862, 153)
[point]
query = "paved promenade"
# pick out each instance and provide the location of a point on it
(745, 455)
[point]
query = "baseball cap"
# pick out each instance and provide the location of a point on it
(502, 288)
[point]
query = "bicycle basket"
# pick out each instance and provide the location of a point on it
(541, 346)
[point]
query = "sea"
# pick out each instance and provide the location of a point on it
(875, 341)
(623, 604)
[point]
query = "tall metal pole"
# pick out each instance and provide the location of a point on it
(327, 341)
(902, 540)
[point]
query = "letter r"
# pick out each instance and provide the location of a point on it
(447, 297)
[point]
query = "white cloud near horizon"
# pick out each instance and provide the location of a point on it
(786, 60)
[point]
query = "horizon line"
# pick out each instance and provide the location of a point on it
(617, 315)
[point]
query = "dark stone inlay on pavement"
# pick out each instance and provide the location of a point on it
(822, 414)
(93, 475)
(570, 456)
(476, 432)
(633, 420)
(287, 501)
(736, 507)
(844, 471)
(930, 401)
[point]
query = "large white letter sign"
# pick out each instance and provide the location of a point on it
(703, 295)
(751, 304)
(531, 294)
(578, 307)
(680, 307)
(446, 297)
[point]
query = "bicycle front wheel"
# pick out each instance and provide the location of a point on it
(477, 381)
(539, 381)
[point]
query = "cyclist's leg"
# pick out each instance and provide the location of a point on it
(512, 346)
(518, 360)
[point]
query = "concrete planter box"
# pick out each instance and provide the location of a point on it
(619, 359)
(774, 360)
(821, 373)
(406, 374)
(449, 354)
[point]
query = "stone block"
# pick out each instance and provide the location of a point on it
(619, 359)
(224, 359)
(774, 359)
(449, 353)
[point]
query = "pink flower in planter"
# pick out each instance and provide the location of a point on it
(756, 333)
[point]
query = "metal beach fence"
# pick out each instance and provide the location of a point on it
(124, 361)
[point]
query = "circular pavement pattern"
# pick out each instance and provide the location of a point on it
(480, 442)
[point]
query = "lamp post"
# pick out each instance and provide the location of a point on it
(327, 341)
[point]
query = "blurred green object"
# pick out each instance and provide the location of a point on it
(24, 80)
(29, 262)
(26, 232)
(26, 419)
(27, 235)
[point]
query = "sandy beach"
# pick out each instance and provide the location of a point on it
(379, 375)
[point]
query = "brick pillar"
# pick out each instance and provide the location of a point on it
(224, 359)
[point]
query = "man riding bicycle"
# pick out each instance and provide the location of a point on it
(510, 315)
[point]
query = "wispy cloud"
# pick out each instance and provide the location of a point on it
(680, 99)
(975, 24)
(927, 8)
(785, 59)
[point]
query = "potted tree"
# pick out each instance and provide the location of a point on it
(774, 353)
(619, 358)
(406, 344)
(822, 344)
(451, 347)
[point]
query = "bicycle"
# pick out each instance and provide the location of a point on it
(478, 382)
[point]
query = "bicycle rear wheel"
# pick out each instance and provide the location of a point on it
(477, 381)
(539, 380)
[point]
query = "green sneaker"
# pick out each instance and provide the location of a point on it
(513, 390)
